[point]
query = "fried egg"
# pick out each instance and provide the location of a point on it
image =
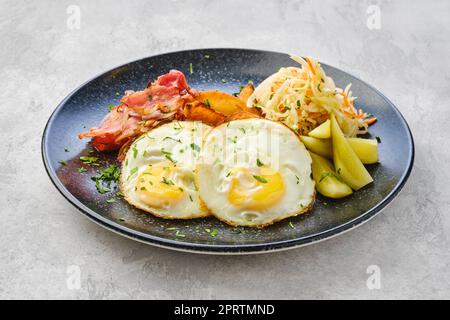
(158, 173)
(254, 172)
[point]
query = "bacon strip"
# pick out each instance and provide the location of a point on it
(140, 111)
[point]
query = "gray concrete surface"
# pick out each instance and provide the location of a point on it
(42, 60)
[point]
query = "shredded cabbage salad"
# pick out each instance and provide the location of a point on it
(303, 98)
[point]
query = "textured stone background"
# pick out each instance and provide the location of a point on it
(42, 60)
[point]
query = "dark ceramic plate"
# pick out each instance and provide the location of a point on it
(223, 69)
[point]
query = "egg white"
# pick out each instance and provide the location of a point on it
(252, 144)
(176, 144)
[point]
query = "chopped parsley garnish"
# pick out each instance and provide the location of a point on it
(207, 103)
(135, 152)
(260, 179)
(234, 140)
(190, 198)
(100, 188)
(106, 177)
(110, 107)
(228, 174)
(169, 157)
(237, 231)
(207, 56)
(298, 103)
(66, 149)
(119, 194)
(170, 138)
(378, 139)
(291, 225)
(298, 179)
(81, 169)
(167, 181)
(259, 163)
(89, 160)
(64, 163)
(223, 81)
(195, 147)
(179, 234)
(271, 96)
(171, 228)
(191, 68)
(111, 200)
(180, 126)
(214, 232)
(133, 171)
(141, 123)
(243, 130)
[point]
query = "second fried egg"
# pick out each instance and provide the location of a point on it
(254, 172)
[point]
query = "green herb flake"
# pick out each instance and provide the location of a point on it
(237, 231)
(223, 80)
(214, 233)
(110, 107)
(106, 177)
(207, 103)
(66, 149)
(259, 163)
(179, 234)
(133, 171)
(291, 225)
(169, 157)
(111, 200)
(191, 68)
(260, 179)
(100, 188)
(81, 169)
(173, 139)
(378, 139)
(298, 179)
(195, 147)
(89, 160)
(207, 56)
(167, 181)
(64, 163)
(190, 198)
(135, 152)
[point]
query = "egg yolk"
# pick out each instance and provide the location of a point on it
(256, 192)
(156, 188)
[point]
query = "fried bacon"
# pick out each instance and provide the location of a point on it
(140, 111)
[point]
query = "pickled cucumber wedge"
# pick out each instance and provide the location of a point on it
(323, 131)
(347, 164)
(327, 181)
(320, 146)
(365, 149)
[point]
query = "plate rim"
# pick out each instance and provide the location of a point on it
(193, 247)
